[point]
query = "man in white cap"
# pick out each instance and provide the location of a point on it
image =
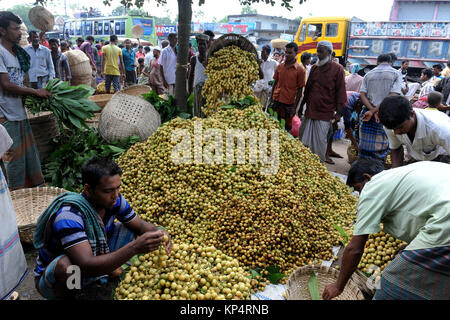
(324, 96)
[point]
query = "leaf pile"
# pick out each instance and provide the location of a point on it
(167, 109)
(63, 167)
(69, 104)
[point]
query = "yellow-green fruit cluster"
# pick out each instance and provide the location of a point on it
(379, 251)
(190, 272)
(230, 71)
(284, 219)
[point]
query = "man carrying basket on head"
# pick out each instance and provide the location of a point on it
(22, 164)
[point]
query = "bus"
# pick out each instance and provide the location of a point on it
(103, 27)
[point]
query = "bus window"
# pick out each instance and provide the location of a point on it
(315, 31)
(332, 30)
(95, 28)
(88, 28)
(117, 29)
(72, 28)
(100, 27)
(111, 27)
(122, 27)
(106, 28)
(78, 28)
(302, 35)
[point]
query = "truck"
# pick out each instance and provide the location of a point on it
(423, 44)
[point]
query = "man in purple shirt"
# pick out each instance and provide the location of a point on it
(86, 47)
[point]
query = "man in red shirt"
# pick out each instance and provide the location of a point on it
(290, 79)
(43, 40)
(324, 97)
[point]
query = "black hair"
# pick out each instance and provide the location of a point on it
(32, 32)
(99, 47)
(6, 17)
(80, 40)
(94, 169)
(434, 99)
(210, 34)
(384, 57)
(314, 59)
(394, 110)
(171, 35)
(106, 43)
(64, 43)
(121, 46)
(404, 61)
(292, 45)
(362, 166)
(90, 38)
(112, 38)
(147, 48)
(140, 60)
(438, 66)
(53, 40)
(305, 56)
(266, 48)
(428, 72)
(141, 47)
(333, 54)
(393, 57)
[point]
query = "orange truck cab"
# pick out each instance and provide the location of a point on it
(313, 30)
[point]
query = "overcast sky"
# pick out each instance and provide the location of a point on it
(364, 9)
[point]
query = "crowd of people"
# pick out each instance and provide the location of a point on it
(95, 229)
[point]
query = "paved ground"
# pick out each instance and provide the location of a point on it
(27, 290)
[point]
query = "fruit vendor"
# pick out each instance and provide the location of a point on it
(78, 231)
(425, 133)
(413, 204)
(23, 168)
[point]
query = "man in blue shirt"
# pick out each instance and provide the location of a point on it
(128, 59)
(80, 230)
(41, 69)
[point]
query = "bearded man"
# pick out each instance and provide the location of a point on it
(324, 96)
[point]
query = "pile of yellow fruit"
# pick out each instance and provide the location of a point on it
(379, 251)
(284, 219)
(191, 272)
(101, 88)
(231, 71)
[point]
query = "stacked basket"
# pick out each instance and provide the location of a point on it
(45, 128)
(80, 67)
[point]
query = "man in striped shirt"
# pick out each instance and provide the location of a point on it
(413, 204)
(68, 241)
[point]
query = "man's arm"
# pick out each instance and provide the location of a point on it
(397, 157)
(15, 89)
(51, 67)
(103, 64)
(139, 227)
(192, 74)
(122, 66)
(352, 256)
(67, 69)
(82, 256)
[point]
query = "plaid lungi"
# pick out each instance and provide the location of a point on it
(199, 101)
(373, 141)
(417, 275)
(22, 164)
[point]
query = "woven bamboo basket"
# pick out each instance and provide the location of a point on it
(279, 43)
(41, 18)
(101, 99)
(45, 128)
(352, 157)
(80, 67)
(29, 204)
(126, 115)
(24, 35)
(360, 279)
(135, 90)
(232, 39)
(93, 122)
(297, 284)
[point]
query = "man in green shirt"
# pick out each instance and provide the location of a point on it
(413, 203)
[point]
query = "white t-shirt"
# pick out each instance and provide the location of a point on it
(268, 67)
(432, 136)
(148, 58)
(168, 60)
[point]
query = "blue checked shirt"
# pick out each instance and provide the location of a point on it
(41, 63)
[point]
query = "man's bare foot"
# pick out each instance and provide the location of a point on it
(329, 161)
(335, 155)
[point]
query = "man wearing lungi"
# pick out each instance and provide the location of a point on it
(413, 203)
(325, 97)
(23, 168)
(377, 84)
(80, 230)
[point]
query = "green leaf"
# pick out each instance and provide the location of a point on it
(342, 233)
(255, 273)
(271, 111)
(313, 286)
(233, 169)
(275, 278)
(282, 124)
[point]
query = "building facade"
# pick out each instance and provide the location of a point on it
(420, 10)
